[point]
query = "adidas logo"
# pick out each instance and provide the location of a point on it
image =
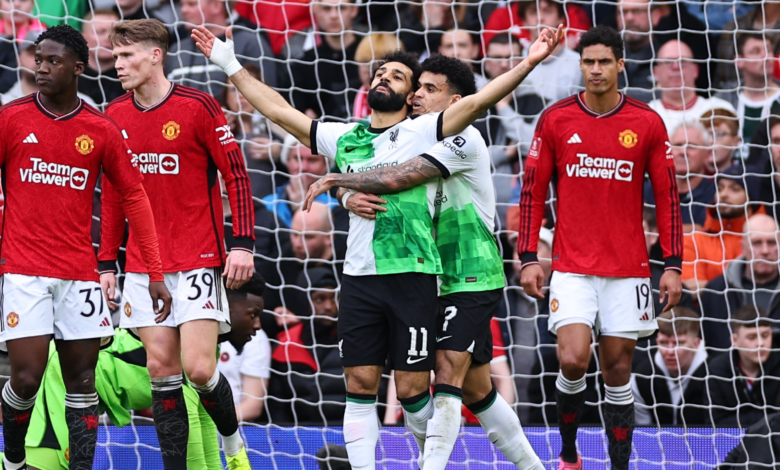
(30, 139)
(645, 317)
(208, 306)
(105, 322)
(575, 139)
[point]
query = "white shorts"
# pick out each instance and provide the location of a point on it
(612, 306)
(37, 306)
(197, 295)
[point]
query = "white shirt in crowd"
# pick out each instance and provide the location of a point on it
(674, 117)
(254, 361)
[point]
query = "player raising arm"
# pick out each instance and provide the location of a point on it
(180, 139)
(599, 144)
(54, 146)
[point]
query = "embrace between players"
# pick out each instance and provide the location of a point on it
(389, 306)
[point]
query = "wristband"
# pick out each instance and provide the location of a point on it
(344, 199)
(233, 68)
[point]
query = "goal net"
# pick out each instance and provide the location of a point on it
(709, 69)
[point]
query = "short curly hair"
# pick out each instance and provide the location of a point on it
(460, 77)
(408, 59)
(68, 37)
(605, 36)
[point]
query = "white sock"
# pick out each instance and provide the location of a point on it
(13, 466)
(503, 428)
(442, 431)
(621, 395)
(417, 421)
(361, 432)
(570, 387)
(232, 445)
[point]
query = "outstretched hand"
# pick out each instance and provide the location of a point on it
(219, 52)
(545, 44)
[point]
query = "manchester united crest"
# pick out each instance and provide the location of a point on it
(128, 309)
(554, 305)
(628, 138)
(171, 130)
(12, 320)
(84, 144)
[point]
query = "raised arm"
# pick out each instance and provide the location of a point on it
(264, 99)
(458, 116)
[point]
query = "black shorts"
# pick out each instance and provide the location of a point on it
(464, 323)
(392, 316)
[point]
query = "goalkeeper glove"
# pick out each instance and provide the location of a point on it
(223, 55)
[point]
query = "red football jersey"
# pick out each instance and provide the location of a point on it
(50, 167)
(598, 163)
(179, 144)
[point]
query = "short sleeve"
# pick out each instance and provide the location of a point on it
(118, 163)
(456, 153)
(430, 125)
(324, 137)
(257, 357)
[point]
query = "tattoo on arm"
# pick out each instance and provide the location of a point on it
(391, 179)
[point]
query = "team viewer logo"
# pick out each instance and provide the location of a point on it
(628, 138)
(84, 144)
(554, 305)
(13, 320)
(171, 130)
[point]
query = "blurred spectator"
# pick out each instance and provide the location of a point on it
(278, 19)
(756, 90)
(310, 236)
(255, 135)
(26, 84)
(706, 253)
(245, 356)
(770, 184)
(744, 383)
(655, 253)
(765, 19)
(325, 78)
(99, 80)
(463, 45)
(751, 279)
(716, 15)
(691, 144)
(18, 20)
(676, 74)
(636, 19)
(559, 75)
(56, 12)
(370, 49)
(512, 19)
(188, 66)
(307, 380)
(305, 168)
(669, 383)
(724, 127)
(132, 9)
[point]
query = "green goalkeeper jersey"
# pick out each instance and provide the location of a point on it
(122, 383)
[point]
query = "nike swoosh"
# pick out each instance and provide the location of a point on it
(409, 360)
(350, 149)
(442, 339)
(350, 442)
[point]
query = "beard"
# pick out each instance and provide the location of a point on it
(385, 103)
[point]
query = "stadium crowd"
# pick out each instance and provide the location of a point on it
(709, 69)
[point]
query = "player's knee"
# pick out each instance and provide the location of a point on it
(573, 366)
(81, 381)
(162, 368)
(26, 383)
(200, 373)
(617, 374)
(362, 382)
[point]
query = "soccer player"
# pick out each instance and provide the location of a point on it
(597, 146)
(54, 147)
(122, 384)
(180, 139)
(388, 305)
(473, 273)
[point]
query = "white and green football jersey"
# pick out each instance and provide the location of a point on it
(465, 215)
(401, 239)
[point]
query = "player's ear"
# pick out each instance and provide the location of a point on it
(454, 99)
(78, 68)
(621, 63)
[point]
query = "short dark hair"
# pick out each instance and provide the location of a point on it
(506, 38)
(254, 286)
(603, 35)
(742, 38)
(679, 321)
(408, 59)
(750, 316)
(68, 37)
(460, 77)
(524, 5)
(137, 31)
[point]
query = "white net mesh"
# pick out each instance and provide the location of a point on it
(717, 109)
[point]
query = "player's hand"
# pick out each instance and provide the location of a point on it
(321, 186)
(544, 45)
(159, 292)
(672, 286)
(532, 280)
(108, 284)
(239, 267)
(219, 52)
(366, 205)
